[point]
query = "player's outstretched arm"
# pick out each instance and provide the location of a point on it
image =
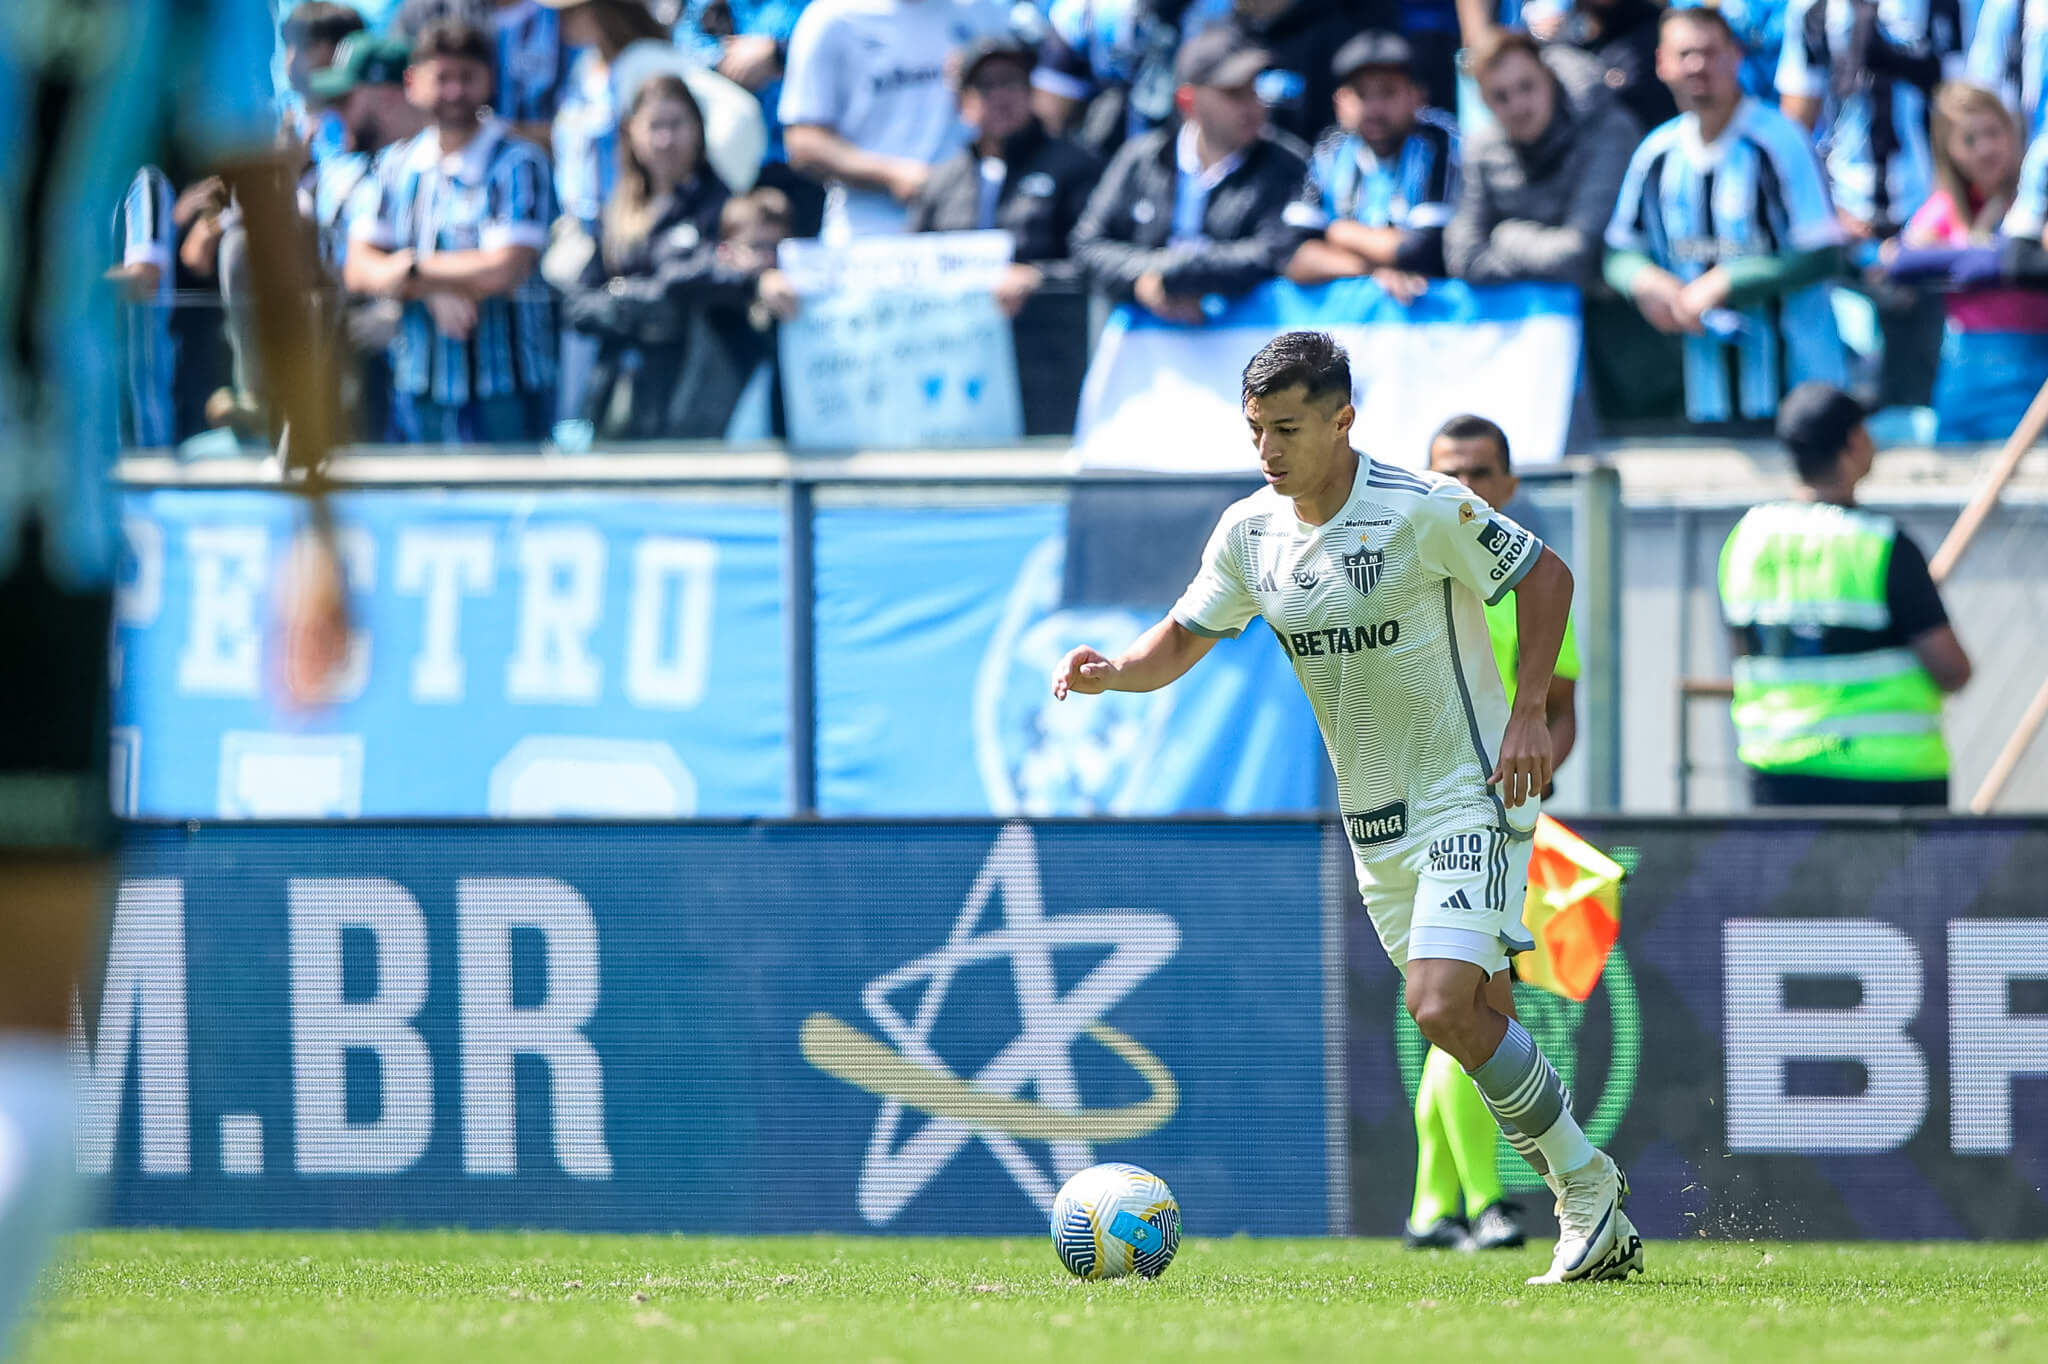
(1159, 656)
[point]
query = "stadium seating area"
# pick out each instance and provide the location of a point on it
(1773, 231)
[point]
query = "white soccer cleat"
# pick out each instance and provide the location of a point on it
(1589, 1220)
(1627, 1256)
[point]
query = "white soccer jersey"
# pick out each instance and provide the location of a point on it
(874, 71)
(1381, 611)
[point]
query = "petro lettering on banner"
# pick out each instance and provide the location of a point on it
(567, 655)
(899, 343)
(1164, 396)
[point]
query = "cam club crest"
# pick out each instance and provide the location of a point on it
(1364, 568)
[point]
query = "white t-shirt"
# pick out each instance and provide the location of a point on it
(874, 71)
(1382, 611)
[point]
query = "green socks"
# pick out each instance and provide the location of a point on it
(1456, 1140)
(1436, 1170)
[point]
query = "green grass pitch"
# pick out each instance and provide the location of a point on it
(213, 1297)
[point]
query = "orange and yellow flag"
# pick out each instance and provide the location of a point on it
(1573, 912)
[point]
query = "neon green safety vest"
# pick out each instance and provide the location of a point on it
(1506, 635)
(1807, 579)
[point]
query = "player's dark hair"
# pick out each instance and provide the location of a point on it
(320, 23)
(1708, 15)
(1471, 426)
(1497, 46)
(1312, 360)
(1814, 465)
(452, 40)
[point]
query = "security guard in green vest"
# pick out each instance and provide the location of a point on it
(1842, 648)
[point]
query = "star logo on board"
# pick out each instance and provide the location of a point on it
(929, 1112)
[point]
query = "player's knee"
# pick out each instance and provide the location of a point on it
(1446, 1017)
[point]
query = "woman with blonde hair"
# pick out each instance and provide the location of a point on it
(1995, 354)
(656, 242)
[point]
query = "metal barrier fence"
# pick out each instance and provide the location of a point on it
(1811, 1028)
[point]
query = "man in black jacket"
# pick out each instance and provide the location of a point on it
(1197, 207)
(1014, 176)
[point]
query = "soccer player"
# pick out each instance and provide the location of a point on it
(1454, 1132)
(1374, 579)
(93, 91)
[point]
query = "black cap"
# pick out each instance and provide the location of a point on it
(1815, 421)
(1373, 49)
(991, 48)
(1220, 57)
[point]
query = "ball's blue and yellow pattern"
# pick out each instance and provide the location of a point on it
(1112, 1220)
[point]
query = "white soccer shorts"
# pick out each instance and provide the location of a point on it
(1458, 896)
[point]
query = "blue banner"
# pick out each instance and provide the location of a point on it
(717, 1028)
(938, 629)
(571, 654)
(1163, 395)
(516, 654)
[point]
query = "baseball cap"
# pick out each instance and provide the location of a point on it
(990, 48)
(1372, 49)
(1221, 58)
(1815, 419)
(360, 59)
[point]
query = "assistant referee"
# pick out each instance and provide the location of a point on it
(1843, 650)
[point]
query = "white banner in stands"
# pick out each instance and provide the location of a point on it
(900, 343)
(1164, 396)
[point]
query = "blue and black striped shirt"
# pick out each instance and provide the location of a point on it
(492, 193)
(1415, 188)
(533, 63)
(144, 235)
(1757, 190)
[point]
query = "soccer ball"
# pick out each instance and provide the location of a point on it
(1112, 1220)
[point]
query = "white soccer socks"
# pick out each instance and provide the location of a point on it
(37, 1172)
(1531, 1105)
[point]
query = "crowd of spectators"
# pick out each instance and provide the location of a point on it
(545, 211)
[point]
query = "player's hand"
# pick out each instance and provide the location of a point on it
(1855, 228)
(906, 178)
(313, 612)
(393, 277)
(1083, 670)
(1525, 765)
(1701, 297)
(778, 295)
(1150, 292)
(1403, 286)
(750, 60)
(138, 282)
(454, 315)
(1656, 295)
(1018, 284)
